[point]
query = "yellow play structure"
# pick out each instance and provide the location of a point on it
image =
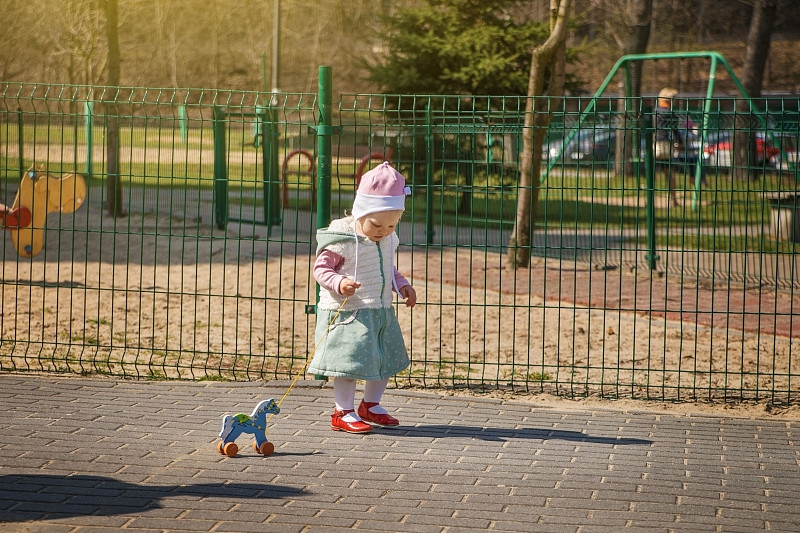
(39, 194)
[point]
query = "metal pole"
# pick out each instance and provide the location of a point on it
(429, 233)
(698, 169)
(649, 170)
(276, 28)
(183, 122)
(20, 139)
(220, 170)
(263, 124)
(88, 107)
(324, 156)
(268, 120)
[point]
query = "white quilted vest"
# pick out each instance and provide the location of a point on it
(369, 263)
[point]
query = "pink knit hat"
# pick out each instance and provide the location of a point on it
(381, 189)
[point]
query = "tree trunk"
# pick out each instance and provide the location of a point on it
(113, 182)
(745, 164)
(538, 111)
(638, 18)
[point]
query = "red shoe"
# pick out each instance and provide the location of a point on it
(337, 424)
(380, 419)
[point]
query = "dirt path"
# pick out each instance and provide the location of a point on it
(767, 311)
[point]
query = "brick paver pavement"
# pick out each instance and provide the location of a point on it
(92, 454)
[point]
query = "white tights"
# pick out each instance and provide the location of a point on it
(344, 392)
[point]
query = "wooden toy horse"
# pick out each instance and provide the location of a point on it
(40, 194)
(255, 424)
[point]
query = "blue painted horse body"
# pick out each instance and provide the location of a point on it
(255, 424)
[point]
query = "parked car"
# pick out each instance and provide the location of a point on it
(598, 144)
(787, 158)
(719, 152)
(595, 145)
(591, 144)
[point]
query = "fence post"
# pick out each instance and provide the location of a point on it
(324, 131)
(324, 159)
(649, 172)
(183, 123)
(20, 139)
(267, 123)
(220, 169)
(258, 126)
(429, 233)
(88, 112)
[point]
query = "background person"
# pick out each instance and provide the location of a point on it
(673, 141)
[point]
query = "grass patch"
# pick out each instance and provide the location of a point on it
(214, 377)
(156, 375)
(572, 197)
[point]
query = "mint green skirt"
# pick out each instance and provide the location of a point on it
(362, 344)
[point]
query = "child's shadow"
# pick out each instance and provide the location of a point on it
(30, 497)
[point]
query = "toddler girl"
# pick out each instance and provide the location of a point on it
(355, 262)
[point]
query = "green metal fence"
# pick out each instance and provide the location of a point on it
(634, 288)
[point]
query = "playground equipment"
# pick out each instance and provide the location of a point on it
(267, 126)
(39, 194)
(293, 163)
(295, 160)
(255, 424)
(647, 128)
(624, 63)
(19, 217)
(314, 163)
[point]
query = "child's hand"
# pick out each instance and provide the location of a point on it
(410, 295)
(347, 287)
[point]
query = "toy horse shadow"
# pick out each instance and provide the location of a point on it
(255, 424)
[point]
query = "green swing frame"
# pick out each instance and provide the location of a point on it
(716, 59)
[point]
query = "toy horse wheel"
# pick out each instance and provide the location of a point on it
(219, 447)
(266, 448)
(230, 449)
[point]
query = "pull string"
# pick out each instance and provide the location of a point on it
(310, 356)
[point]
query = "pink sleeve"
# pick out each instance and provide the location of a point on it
(325, 270)
(399, 280)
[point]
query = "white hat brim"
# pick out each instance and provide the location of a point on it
(366, 204)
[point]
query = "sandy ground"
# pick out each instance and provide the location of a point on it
(149, 296)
